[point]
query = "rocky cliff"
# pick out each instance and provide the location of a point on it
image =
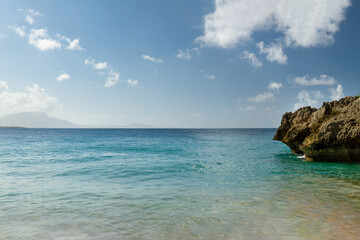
(330, 133)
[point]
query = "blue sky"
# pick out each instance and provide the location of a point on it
(188, 63)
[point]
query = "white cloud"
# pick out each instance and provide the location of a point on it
(29, 19)
(152, 59)
(184, 55)
(33, 99)
(132, 83)
(63, 77)
(315, 81)
(310, 23)
(336, 93)
(112, 78)
(101, 65)
(304, 100)
(96, 65)
(265, 97)
(252, 59)
(210, 76)
(274, 53)
(306, 23)
(275, 86)
(89, 61)
(40, 39)
(18, 30)
(233, 22)
(317, 94)
(3, 87)
(248, 108)
(30, 15)
(74, 45)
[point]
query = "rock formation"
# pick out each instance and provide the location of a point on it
(330, 133)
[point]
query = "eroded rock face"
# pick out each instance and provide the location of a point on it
(330, 133)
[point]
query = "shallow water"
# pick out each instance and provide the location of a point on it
(170, 184)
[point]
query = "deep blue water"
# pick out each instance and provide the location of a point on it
(170, 184)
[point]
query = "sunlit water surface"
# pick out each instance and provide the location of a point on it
(170, 184)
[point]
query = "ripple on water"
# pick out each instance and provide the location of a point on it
(170, 184)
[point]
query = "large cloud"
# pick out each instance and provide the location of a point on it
(305, 23)
(33, 99)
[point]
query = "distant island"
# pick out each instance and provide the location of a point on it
(42, 120)
(34, 120)
(330, 133)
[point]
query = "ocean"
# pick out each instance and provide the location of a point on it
(170, 184)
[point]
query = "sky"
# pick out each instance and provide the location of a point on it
(181, 63)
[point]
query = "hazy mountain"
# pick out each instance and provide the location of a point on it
(132, 125)
(138, 125)
(35, 120)
(41, 120)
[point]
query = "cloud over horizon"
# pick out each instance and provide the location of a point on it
(33, 99)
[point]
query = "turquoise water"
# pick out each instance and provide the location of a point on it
(170, 184)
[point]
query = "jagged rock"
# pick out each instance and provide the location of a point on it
(330, 133)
